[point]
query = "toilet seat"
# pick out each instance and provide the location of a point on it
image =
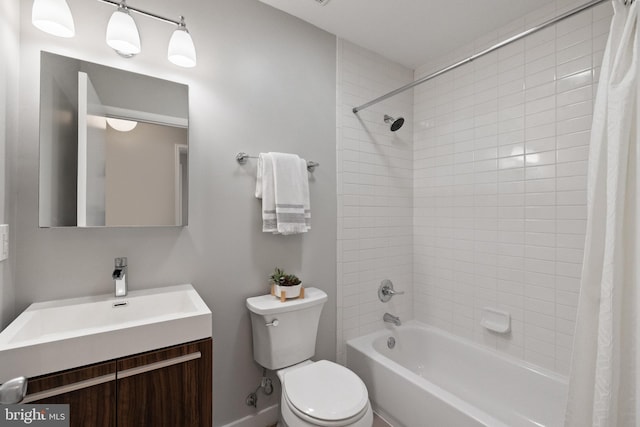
(325, 393)
(312, 421)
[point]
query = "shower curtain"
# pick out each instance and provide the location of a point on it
(604, 379)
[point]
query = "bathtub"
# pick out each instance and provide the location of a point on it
(435, 379)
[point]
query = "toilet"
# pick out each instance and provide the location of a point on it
(320, 393)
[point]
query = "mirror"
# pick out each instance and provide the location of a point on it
(113, 147)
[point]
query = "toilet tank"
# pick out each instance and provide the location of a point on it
(293, 339)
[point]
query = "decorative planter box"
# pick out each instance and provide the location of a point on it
(287, 292)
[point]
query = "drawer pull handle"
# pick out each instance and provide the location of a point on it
(110, 377)
(69, 388)
(158, 365)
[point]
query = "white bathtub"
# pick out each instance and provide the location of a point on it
(435, 379)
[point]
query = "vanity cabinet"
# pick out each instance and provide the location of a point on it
(90, 391)
(167, 387)
(170, 387)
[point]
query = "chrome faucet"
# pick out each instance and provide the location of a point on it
(386, 291)
(120, 276)
(390, 318)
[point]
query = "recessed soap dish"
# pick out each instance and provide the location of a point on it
(496, 320)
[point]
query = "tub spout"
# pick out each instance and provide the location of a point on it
(390, 318)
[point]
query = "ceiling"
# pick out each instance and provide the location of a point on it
(410, 32)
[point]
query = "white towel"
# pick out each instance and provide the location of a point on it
(291, 187)
(282, 183)
(265, 191)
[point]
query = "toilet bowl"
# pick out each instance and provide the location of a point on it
(324, 394)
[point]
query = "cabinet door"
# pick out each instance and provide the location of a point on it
(170, 387)
(90, 393)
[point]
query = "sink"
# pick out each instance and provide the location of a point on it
(57, 335)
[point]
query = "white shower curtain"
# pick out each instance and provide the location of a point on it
(604, 380)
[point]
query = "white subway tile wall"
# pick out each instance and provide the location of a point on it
(500, 163)
(479, 200)
(375, 193)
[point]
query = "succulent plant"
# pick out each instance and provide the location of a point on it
(279, 277)
(291, 280)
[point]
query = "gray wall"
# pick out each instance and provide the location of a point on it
(58, 141)
(159, 97)
(9, 42)
(265, 82)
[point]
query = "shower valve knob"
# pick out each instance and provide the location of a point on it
(386, 291)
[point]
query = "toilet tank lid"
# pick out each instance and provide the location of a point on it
(269, 304)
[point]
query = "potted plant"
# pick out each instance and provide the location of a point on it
(290, 284)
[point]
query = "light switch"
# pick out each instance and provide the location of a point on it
(4, 241)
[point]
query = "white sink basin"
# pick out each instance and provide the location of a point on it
(56, 335)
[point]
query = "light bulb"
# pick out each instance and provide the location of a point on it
(53, 17)
(122, 125)
(122, 33)
(182, 52)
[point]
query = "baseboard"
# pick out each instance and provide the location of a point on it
(263, 418)
(385, 418)
(381, 420)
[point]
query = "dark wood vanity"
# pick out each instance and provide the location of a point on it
(169, 387)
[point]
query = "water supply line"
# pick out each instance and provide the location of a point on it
(266, 384)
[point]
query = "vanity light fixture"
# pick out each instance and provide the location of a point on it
(123, 36)
(53, 17)
(182, 52)
(122, 32)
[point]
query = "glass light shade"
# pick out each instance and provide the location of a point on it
(53, 17)
(122, 33)
(122, 125)
(182, 52)
(96, 121)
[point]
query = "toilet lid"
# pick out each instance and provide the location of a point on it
(326, 391)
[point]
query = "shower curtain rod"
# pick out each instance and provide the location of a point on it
(482, 53)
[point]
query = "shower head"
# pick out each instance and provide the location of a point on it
(395, 123)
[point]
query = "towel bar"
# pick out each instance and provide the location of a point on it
(242, 157)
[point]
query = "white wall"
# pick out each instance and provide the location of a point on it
(375, 183)
(9, 68)
(265, 81)
(495, 226)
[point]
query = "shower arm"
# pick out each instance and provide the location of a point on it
(480, 54)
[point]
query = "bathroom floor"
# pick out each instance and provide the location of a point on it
(377, 422)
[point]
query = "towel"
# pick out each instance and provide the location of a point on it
(265, 191)
(291, 187)
(283, 185)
